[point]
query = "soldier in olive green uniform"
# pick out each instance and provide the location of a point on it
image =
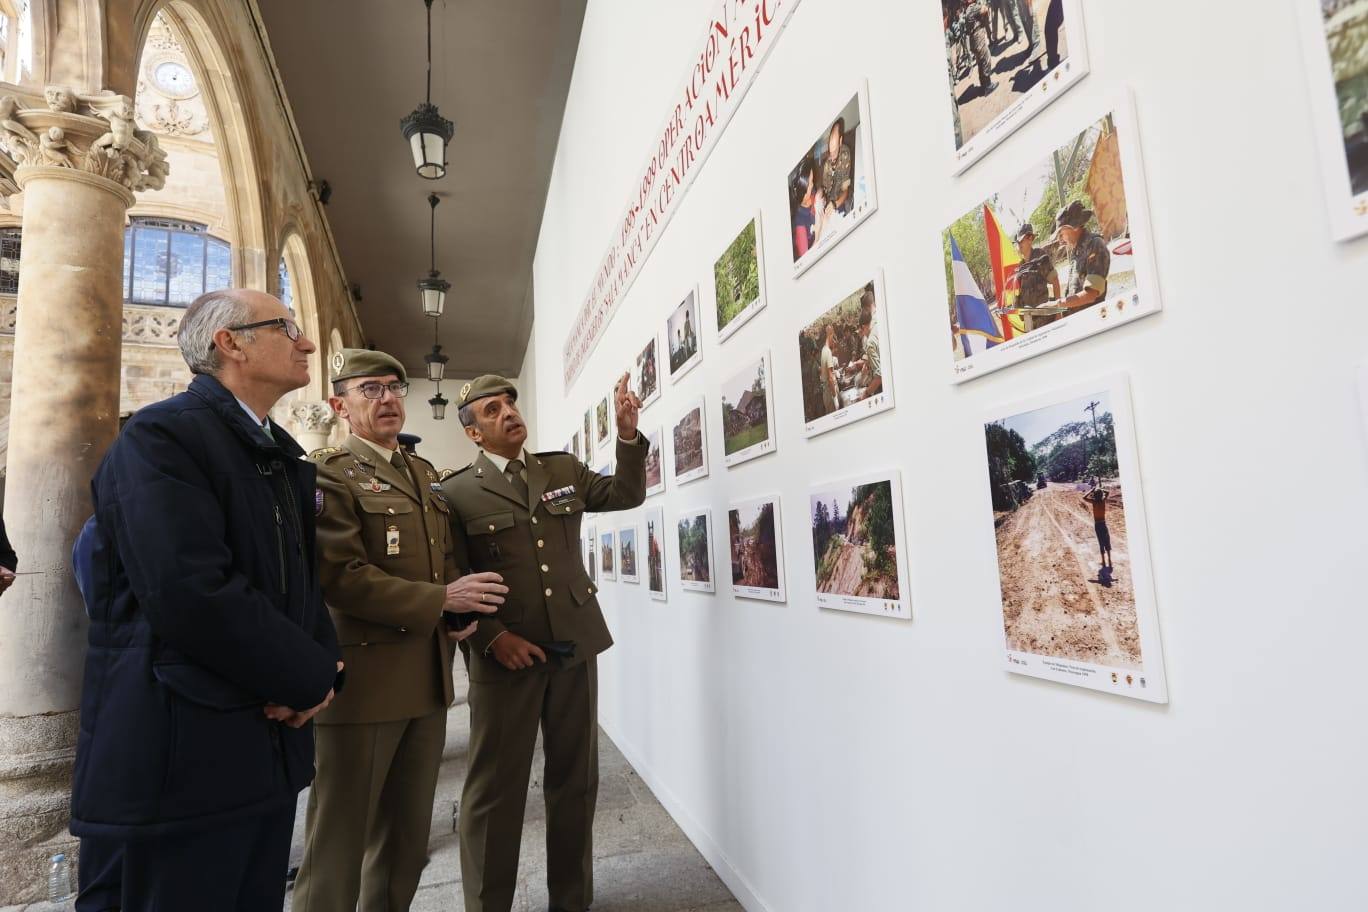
(388, 570)
(1090, 259)
(519, 514)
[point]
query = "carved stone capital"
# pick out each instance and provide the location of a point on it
(95, 134)
(312, 417)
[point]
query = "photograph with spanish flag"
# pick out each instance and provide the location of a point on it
(1061, 253)
(1077, 594)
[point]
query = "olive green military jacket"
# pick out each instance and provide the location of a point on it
(535, 546)
(385, 555)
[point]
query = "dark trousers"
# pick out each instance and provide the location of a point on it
(100, 875)
(234, 867)
(1054, 18)
(504, 718)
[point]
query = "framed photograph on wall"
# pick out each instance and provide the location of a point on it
(748, 412)
(588, 436)
(627, 555)
(655, 553)
(1335, 47)
(575, 448)
(655, 462)
(1007, 60)
(591, 559)
(845, 366)
(689, 441)
(645, 380)
(739, 280)
(831, 186)
(608, 554)
(681, 336)
(1025, 275)
(603, 424)
(859, 545)
(1068, 522)
(693, 532)
(755, 538)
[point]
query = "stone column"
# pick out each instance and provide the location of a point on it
(79, 159)
(312, 423)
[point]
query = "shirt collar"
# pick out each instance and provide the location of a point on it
(263, 423)
(384, 454)
(501, 462)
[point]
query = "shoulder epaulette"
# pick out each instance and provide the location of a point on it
(447, 473)
(322, 454)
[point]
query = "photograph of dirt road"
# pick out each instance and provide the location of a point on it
(1067, 571)
(756, 548)
(856, 529)
(1006, 60)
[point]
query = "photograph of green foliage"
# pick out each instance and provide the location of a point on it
(738, 280)
(695, 551)
(856, 531)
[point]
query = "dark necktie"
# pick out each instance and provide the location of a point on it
(397, 460)
(514, 476)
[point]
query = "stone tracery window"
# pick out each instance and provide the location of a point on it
(10, 243)
(172, 262)
(286, 293)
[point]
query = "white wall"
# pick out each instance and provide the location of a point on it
(828, 762)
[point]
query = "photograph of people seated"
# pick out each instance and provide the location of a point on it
(839, 356)
(826, 186)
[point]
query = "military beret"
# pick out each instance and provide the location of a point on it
(484, 386)
(361, 362)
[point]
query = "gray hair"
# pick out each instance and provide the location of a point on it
(209, 313)
(467, 415)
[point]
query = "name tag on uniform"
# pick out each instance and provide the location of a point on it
(392, 541)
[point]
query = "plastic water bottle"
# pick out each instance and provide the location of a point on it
(59, 879)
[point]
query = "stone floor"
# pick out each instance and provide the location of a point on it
(642, 862)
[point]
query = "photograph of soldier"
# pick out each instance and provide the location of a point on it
(645, 380)
(736, 280)
(746, 425)
(681, 330)
(756, 553)
(695, 551)
(655, 553)
(997, 51)
(690, 456)
(840, 359)
(627, 554)
(601, 423)
(655, 472)
(1070, 249)
(829, 183)
(1346, 37)
(1063, 563)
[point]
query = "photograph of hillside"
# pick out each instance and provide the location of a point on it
(855, 545)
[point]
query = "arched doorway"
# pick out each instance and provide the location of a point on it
(295, 287)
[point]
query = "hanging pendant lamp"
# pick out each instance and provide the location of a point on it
(426, 130)
(433, 288)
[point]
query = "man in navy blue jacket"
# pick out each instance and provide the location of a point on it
(210, 649)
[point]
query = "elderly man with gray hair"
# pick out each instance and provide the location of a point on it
(210, 649)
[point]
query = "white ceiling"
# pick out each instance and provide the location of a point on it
(501, 70)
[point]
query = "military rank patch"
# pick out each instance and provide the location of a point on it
(435, 486)
(318, 501)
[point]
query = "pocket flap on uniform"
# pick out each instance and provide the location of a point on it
(386, 505)
(573, 505)
(494, 522)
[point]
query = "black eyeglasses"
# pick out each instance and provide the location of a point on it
(374, 389)
(288, 326)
